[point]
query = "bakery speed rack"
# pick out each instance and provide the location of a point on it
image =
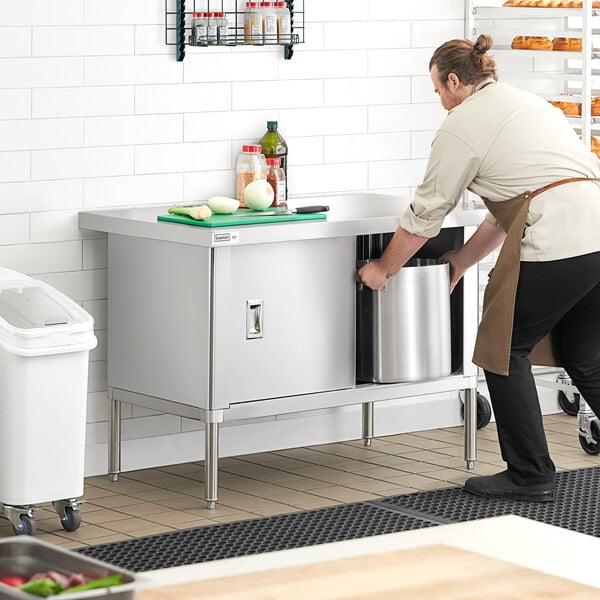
(178, 25)
(554, 75)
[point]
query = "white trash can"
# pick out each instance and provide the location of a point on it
(45, 339)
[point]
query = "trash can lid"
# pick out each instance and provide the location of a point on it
(35, 318)
(30, 307)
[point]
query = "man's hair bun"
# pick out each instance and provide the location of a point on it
(483, 44)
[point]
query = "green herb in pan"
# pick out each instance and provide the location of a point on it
(97, 583)
(42, 587)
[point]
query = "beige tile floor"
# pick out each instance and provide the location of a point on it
(169, 498)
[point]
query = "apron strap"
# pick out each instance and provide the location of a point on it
(560, 182)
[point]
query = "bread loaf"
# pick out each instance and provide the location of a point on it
(595, 108)
(567, 44)
(571, 109)
(531, 42)
(550, 3)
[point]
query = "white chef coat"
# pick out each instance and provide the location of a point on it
(499, 143)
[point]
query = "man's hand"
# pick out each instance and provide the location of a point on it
(403, 245)
(486, 239)
(373, 275)
(457, 269)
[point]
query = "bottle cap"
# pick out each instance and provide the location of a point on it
(254, 149)
(279, 4)
(198, 14)
(220, 15)
(274, 162)
(271, 124)
(251, 4)
(210, 14)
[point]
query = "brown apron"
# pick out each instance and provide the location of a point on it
(494, 336)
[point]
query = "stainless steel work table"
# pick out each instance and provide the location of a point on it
(218, 324)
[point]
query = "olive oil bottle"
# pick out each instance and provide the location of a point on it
(274, 146)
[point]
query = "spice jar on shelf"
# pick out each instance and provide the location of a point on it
(253, 24)
(284, 23)
(222, 29)
(211, 29)
(269, 22)
(199, 28)
(251, 165)
(276, 178)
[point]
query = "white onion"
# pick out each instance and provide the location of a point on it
(222, 205)
(259, 194)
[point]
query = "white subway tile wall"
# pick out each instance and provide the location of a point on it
(82, 101)
(76, 40)
(15, 41)
(96, 112)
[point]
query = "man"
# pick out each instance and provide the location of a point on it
(539, 183)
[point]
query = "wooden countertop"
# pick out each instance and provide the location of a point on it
(425, 572)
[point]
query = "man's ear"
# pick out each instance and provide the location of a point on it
(453, 80)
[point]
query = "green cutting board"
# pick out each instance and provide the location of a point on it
(235, 219)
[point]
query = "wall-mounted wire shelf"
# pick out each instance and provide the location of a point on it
(178, 25)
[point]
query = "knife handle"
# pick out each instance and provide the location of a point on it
(304, 210)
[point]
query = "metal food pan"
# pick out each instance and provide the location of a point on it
(25, 556)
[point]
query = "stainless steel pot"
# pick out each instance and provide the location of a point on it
(403, 330)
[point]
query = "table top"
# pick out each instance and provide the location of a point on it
(349, 215)
(435, 571)
(516, 540)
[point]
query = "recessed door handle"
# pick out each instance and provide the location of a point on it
(254, 319)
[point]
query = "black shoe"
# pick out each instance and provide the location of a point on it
(501, 485)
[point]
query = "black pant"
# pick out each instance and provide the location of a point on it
(561, 294)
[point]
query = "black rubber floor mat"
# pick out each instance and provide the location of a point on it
(575, 506)
(255, 536)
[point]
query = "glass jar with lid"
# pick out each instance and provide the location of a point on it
(284, 23)
(251, 165)
(269, 22)
(211, 28)
(276, 178)
(199, 28)
(253, 24)
(222, 29)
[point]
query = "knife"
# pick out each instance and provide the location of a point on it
(301, 210)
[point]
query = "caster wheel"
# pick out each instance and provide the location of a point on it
(71, 519)
(592, 447)
(568, 407)
(27, 526)
(484, 411)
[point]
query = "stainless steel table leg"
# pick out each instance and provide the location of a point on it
(211, 462)
(368, 411)
(470, 411)
(114, 437)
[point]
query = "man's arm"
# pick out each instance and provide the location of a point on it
(485, 240)
(400, 249)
